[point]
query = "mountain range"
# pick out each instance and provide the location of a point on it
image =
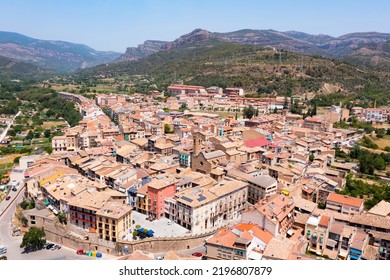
(369, 48)
(364, 48)
(58, 55)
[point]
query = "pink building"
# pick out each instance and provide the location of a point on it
(159, 188)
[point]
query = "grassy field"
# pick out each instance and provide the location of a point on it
(384, 125)
(54, 124)
(381, 142)
(8, 158)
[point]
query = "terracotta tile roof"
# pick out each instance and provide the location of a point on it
(223, 237)
(324, 221)
(346, 200)
(264, 236)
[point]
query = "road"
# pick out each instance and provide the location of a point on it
(14, 252)
(2, 136)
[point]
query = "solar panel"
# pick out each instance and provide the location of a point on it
(201, 197)
(186, 198)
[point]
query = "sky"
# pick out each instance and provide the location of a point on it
(116, 24)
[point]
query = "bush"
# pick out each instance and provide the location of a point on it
(16, 160)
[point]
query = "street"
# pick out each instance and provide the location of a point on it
(4, 133)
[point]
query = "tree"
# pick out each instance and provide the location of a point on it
(62, 218)
(313, 111)
(47, 133)
(49, 150)
(34, 239)
(311, 158)
(248, 112)
(30, 135)
(167, 129)
(379, 163)
(16, 160)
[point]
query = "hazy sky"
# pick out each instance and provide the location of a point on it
(117, 24)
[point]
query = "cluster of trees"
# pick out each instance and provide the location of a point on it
(250, 112)
(34, 239)
(367, 142)
(371, 193)
(27, 204)
(368, 161)
(353, 123)
(7, 150)
(49, 99)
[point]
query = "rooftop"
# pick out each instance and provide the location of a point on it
(381, 209)
(114, 210)
(345, 200)
(264, 181)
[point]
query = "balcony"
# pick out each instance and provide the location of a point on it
(72, 217)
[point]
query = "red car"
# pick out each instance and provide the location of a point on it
(7, 197)
(80, 252)
(197, 254)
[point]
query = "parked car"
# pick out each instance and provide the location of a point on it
(14, 189)
(56, 247)
(3, 258)
(7, 197)
(159, 257)
(49, 246)
(197, 254)
(3, 250)
(80, 252)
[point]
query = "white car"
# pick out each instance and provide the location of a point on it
(14, 184)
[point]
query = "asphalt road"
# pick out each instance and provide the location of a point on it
(2, 136)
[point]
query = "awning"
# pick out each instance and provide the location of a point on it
(355, 251)
(343, 253)
(353, 257)
(331, 243)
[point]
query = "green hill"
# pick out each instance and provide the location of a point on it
(256, 69)
(13, 69)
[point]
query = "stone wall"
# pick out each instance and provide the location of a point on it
(61, 234)
(163, 244)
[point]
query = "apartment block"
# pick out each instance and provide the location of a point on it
(344, 204)
(113, 221)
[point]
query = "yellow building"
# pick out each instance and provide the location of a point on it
(113, 220)
(142, 204)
